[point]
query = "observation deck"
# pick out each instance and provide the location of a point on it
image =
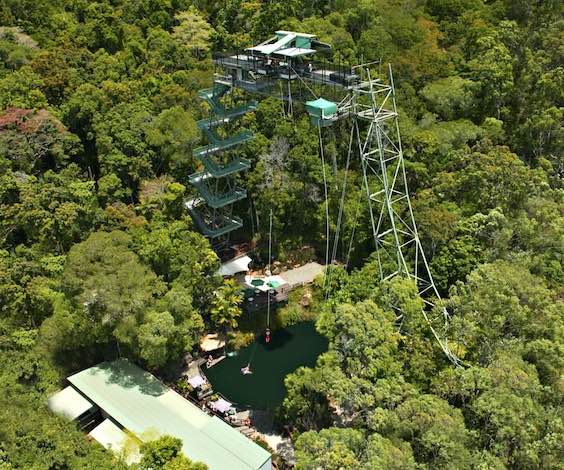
(286, 56)
(259, 72)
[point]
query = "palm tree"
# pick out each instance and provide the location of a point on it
(226, 306)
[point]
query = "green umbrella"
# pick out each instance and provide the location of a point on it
(257, 282)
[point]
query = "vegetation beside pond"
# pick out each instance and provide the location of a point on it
(303, 305)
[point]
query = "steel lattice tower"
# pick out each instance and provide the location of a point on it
(398, 247)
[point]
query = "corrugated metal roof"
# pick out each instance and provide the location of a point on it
(143, 405)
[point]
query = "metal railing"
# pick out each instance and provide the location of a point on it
(218, 171)
(274, 67)
(225, 225)
(223, 144)
(216, 200)
(226, 115)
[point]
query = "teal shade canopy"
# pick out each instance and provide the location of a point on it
(321, 108)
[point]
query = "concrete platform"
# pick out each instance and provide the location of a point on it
(303, 275)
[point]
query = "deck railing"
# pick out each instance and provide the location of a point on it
(275, 66)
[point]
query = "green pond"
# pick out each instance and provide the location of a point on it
(288, 349)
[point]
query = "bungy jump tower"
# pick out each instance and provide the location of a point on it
(288, 66)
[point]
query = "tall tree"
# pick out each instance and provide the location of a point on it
(193, 32)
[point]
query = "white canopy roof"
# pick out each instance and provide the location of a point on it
(279, 44)
(113, 438)
(221, 405)
(196, 381)
(303, 35)
(69, 403)
(294, 52)
(235, 266)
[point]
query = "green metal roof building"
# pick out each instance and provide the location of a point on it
(141, 404)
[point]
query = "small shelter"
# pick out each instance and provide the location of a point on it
(234, 266)
(321, 111)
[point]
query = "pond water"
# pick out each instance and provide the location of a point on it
(289, 348)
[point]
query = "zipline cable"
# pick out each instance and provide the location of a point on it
(269, 271)
(326, 202)
(339, 217)
(355, 223)
(347, 259)
(267, 335)
(342, 203)
(305, 84)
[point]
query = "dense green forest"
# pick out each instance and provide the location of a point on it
(98, 111)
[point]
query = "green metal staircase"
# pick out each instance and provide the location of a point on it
(218, 144)
(212, 210)
(215, 199)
